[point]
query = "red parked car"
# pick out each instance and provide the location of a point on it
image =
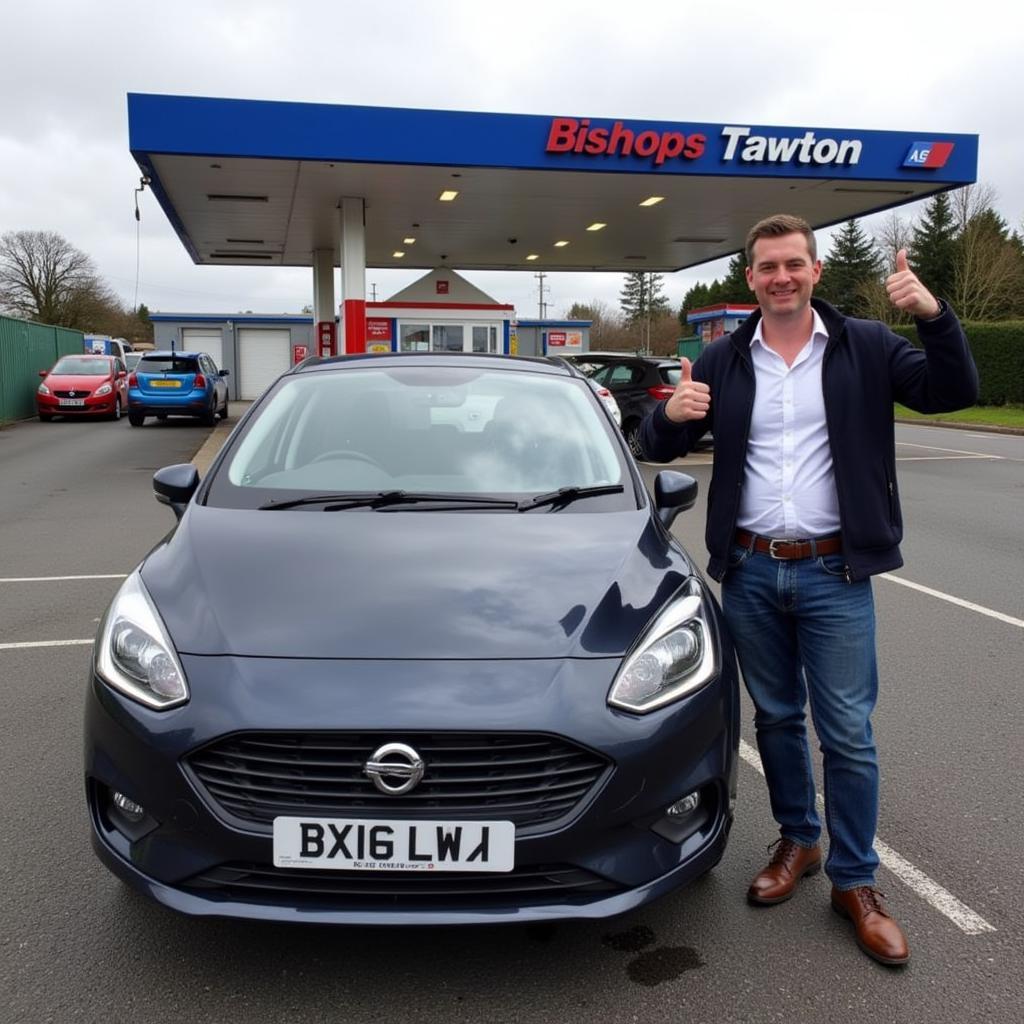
(87, 384)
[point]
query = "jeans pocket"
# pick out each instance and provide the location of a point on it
(737, 556)
(834, 565)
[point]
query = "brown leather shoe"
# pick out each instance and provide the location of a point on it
(790, 862)
(877, 933)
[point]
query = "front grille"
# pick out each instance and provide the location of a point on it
(77, 393)
(262, 883)
(526, 778)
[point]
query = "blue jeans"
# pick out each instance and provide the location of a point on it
(801, 630)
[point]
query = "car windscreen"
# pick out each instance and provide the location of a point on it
(165, 364)
(423, 429)
(85, 366)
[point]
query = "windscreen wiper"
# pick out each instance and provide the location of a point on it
(564, 495)
(382, 499)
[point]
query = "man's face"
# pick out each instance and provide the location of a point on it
(782, 274)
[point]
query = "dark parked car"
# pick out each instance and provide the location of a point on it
(638, 383)
(83, 385)
(420, 649)
(177, 384)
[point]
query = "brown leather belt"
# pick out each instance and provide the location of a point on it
(790, 549)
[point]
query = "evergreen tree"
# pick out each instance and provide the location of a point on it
(851, 268)
(932, 252)
(734, 284)
(642, 298)
(696, 298)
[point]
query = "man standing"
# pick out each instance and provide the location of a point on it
(803, 509)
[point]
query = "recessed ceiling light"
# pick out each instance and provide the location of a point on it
(652, 200)
(560, 245)
(597, 226)
(533, 256)
(447, 195)
(223, 198)
(398, 255)
(699, 239)
(409, 241)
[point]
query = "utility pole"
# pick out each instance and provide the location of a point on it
(542, 306)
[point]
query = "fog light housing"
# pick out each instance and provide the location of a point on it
(685, 806)
(129, 808)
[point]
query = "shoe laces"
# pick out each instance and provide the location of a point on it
(870, 900)
(786, 851)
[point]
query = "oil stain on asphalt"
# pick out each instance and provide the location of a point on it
(652, 966)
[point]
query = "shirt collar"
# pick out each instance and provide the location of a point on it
(818, 329)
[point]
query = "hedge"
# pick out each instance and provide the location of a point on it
(998, 349)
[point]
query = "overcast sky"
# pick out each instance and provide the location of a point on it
(922, 66)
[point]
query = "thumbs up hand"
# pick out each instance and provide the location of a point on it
(907, 293)
(691, 398)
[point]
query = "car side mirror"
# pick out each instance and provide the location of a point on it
(121, 374)
(43, 373)
(224, 373)
(175, 485)
(674, 492)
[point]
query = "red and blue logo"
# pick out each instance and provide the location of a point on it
(928, 154)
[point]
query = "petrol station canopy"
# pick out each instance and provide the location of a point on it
(261, 183)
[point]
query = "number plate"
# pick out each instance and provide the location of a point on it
(165, 383)
(72, 401)
(347, 844)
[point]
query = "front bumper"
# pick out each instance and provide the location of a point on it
(49, 405)
(616, 837)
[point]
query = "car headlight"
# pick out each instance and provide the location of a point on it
(135, 655)
(103, 389)
(674, 657)
(43, 389)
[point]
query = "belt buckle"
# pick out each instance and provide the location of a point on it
(771, 547)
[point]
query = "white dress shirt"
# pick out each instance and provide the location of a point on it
(789, 489)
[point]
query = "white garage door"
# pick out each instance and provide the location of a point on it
(202, 339)
(263, 356)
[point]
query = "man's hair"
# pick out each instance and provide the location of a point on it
(776, 226)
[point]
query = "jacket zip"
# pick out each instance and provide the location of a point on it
(847, 572)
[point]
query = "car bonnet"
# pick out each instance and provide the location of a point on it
(426, 585)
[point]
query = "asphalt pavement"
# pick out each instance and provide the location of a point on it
(77, 512)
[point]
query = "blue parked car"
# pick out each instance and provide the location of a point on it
(177, 384)
(421, 649)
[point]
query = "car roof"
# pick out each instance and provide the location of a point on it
(621, 357)
(167, 354)
(517, 364)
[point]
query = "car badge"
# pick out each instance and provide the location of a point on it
(394, 768)
(71, 394)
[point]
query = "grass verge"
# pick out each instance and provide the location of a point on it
(979, 415)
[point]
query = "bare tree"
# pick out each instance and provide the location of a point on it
(987, 274)
(44, 277)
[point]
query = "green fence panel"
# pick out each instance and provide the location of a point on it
(25, 349)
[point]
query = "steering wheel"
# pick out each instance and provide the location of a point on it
(347, 453)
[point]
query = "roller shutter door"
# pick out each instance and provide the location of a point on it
(203, 339)
(263, 355)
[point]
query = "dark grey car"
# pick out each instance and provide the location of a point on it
(637, 382)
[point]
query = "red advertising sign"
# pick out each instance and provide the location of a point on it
(378, 329)
(299, 352)
(327, 338)
(442, 287)
(556, 338)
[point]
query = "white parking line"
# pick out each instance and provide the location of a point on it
(952, 451)
(969, 605)
(930, 891)
(44, 643)
(53, 579)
